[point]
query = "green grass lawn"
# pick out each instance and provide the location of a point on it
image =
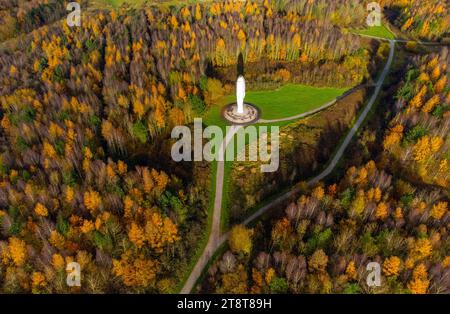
(116, 3)
(289, 100)
(377, 31)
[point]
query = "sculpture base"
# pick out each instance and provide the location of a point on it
(250, 115)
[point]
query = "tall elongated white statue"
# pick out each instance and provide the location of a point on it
(240, 94)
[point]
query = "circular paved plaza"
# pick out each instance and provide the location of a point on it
(250, 115)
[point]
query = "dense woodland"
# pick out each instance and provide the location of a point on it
(427, 20)
(23, 16)
(419, 19)
(393, 213)
(85, 166)
(418, 140)
(325, 238)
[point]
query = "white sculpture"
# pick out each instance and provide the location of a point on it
(240, 94)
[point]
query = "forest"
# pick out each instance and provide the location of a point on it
(23, 16)
(86, 174)
(418, 19)
(426, 20)
(417, 141)
(86, 114)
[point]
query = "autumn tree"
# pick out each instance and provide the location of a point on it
(240, 239)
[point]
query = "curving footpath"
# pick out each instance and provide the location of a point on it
(404, 41)
(215, 240)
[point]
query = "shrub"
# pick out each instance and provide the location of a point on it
(140, 132)
(278, 285)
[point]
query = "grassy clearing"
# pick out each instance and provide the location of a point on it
(116, 3)
(377, 31)
(289, 100)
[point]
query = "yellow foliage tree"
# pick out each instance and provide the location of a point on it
(438, 210)
(198, 12)
(436, 73)
(160, 232)
(137, 271)
(37, 282)
(16, 252)
(57, 240)
(318, 261)
(58, 261)
(358, 203)
(148, 181)
(41, 210)
(431, 103)
(318, 193)
(69, 194)
(440, 84)
(121, 167)
(382, 211)
(392, 266)
(426, 146)
(235, 282)
(136, 235)
(87, 226)
(92, 200)
(395, 136)
(350, 271)
(416, 101)
(240, 239)
(419, 283)
(421, 249)
(407, 24)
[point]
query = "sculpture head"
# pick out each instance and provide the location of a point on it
(240, 87)
(240, 94)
